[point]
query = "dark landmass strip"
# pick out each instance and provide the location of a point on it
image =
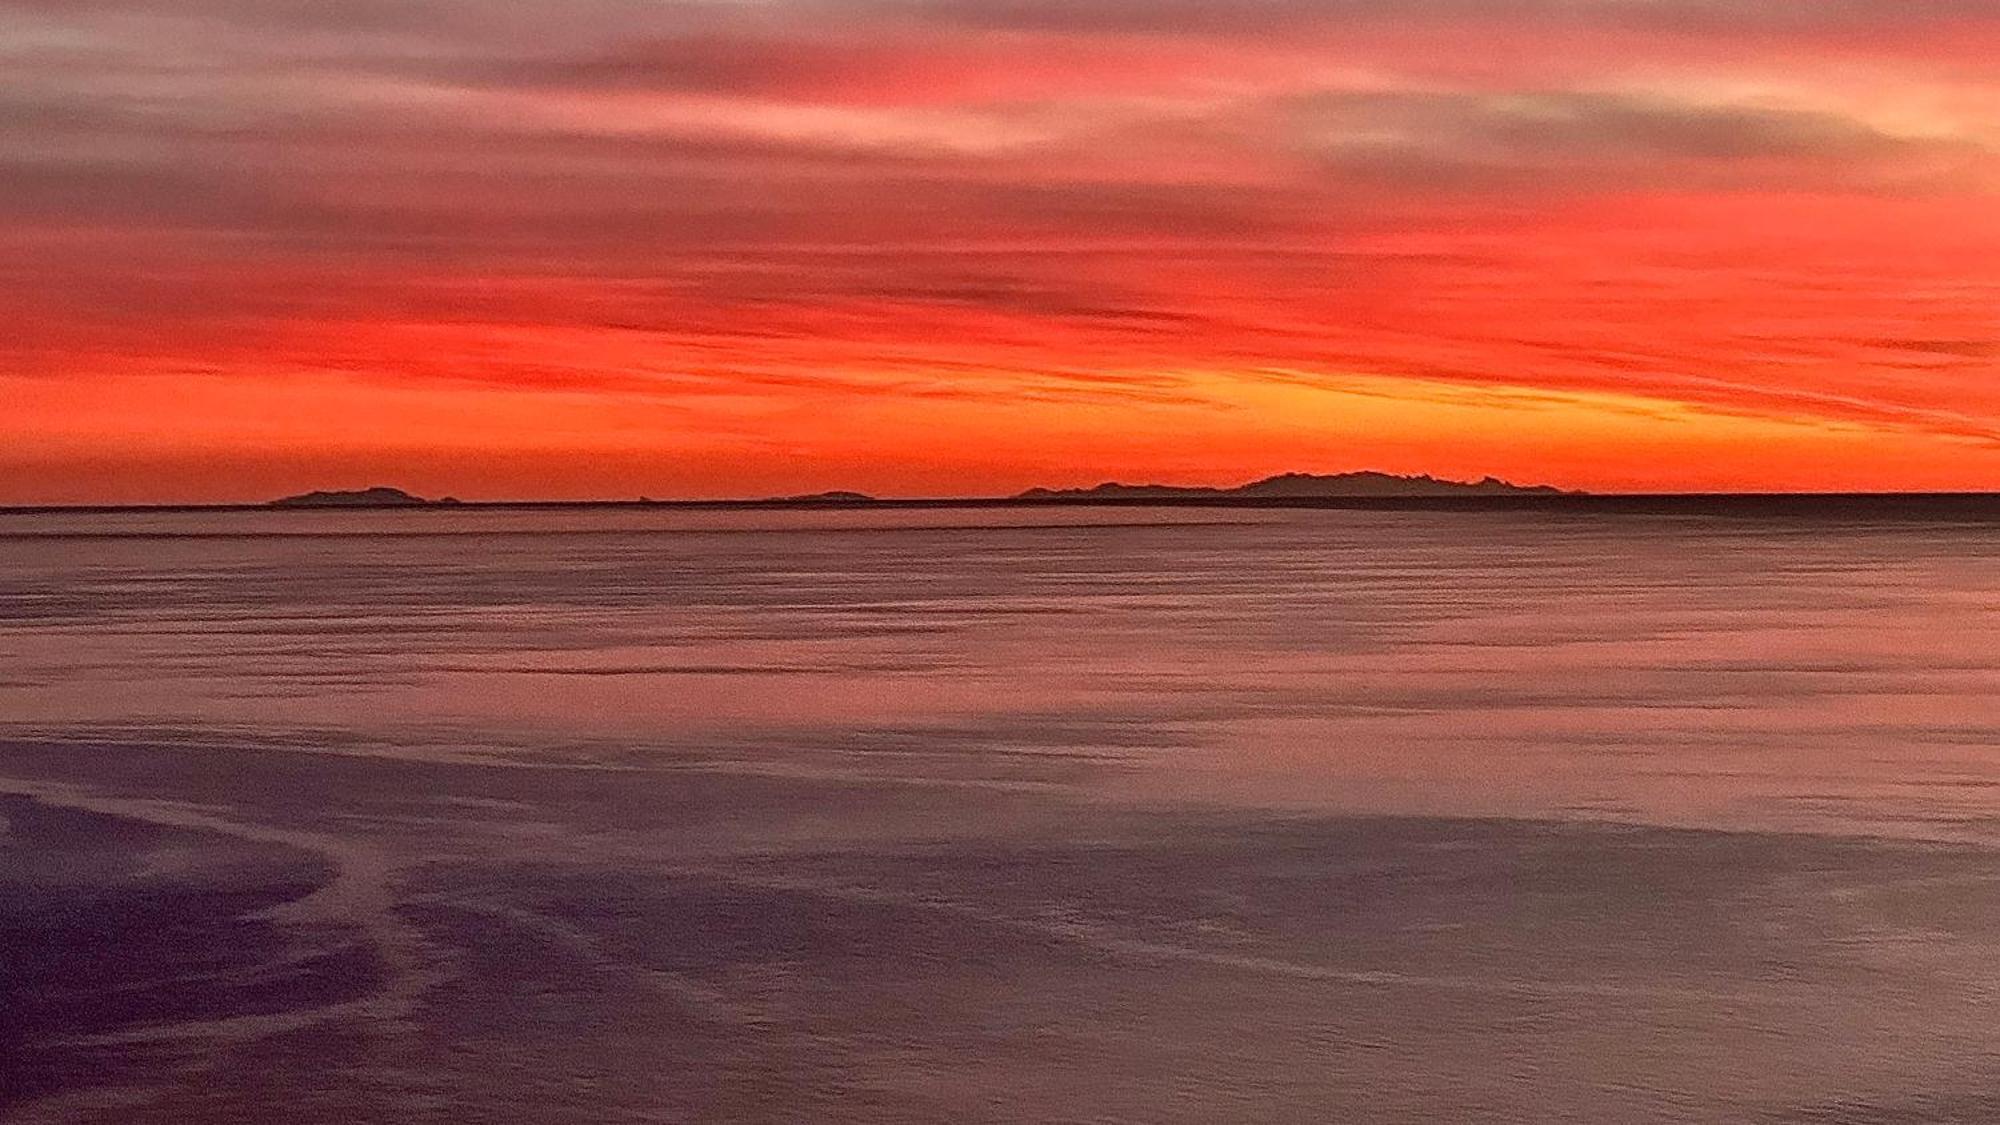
(1285, 491)
(1300, 486)
(380, 496)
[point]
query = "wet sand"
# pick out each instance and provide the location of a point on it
(566, 946)
(137, 951)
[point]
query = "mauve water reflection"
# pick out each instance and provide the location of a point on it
(998, 815)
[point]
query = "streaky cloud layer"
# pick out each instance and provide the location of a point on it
(609, 247)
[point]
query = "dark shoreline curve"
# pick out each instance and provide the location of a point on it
(1914, 506)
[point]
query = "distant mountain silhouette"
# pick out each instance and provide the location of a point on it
(1285, 486)
(380, 496)
(1301, 486)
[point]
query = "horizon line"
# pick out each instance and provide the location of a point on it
(1081, 499)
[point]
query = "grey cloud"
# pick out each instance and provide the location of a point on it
(541, 23)
(701, 62)
(1254, 16)
(1455, 141)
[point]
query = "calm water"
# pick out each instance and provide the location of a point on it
(993, 816)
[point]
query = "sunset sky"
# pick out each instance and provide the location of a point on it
(602, 248)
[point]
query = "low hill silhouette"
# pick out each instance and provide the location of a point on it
(833, 496)
(380, 496)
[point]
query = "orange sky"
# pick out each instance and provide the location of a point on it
(673, 248)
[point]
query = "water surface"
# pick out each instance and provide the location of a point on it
(998, 815)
